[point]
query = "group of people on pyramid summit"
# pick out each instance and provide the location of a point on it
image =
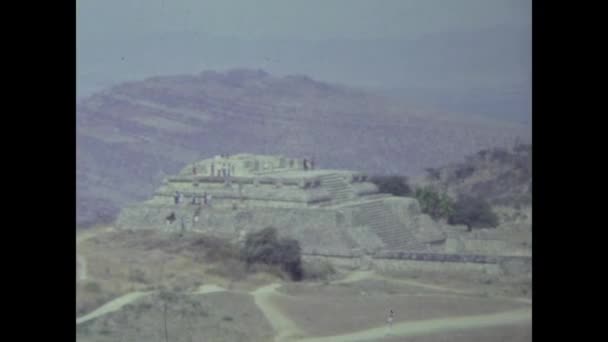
(308, 164)
(218, 167)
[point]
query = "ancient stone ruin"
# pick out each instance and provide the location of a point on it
(334, 212)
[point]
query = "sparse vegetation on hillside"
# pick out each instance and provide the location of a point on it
(163, 120)
(499, 176)
(394, 185)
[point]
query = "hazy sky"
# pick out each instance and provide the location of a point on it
(467, 50)
(297, 19)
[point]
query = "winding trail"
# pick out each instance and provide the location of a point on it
(432, 326)
(284, 328)
(209, 288)
(117, 303)
(287, 330)
(113, 305)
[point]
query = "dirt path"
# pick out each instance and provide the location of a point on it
(354, 277)
(113, 305)
(209, 288)
(432, 326)
(284, 328)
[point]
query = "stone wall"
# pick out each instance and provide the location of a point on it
(316, 229)
(391, 265)
(511, 266)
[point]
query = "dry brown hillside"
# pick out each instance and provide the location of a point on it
(131, 135)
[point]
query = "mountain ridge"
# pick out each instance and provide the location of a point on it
(130, 135)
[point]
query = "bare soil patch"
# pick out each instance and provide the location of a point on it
(340, 309)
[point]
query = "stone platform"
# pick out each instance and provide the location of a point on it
(328, 211)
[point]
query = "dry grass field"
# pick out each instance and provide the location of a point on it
(130, 283)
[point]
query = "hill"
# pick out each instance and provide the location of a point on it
(131, 135)
(500, 176)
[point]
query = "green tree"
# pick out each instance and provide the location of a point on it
(435, 204)
(474, 212)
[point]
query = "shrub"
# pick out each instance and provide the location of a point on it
(394, 185)
(318, 270)
(435, 204)
(473, 212)
(264, 247)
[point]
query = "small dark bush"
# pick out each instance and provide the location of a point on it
(394, 185)
(473, 212)
(264, 247)
(318, 270)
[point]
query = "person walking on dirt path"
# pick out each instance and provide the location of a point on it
(389, 321)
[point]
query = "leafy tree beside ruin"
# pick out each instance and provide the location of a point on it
(265, 247)
(474, 212)
(435, 204)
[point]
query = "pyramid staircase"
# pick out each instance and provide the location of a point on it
(386, 225)
(337, 187)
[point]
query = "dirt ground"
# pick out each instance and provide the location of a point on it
(221, 316)
(508, 333)
(119, 262)
(125, 279)
(332, 310)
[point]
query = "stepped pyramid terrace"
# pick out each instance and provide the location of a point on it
(335, 212)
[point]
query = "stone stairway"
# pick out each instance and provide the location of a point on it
(337, 186)
(386, 225)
